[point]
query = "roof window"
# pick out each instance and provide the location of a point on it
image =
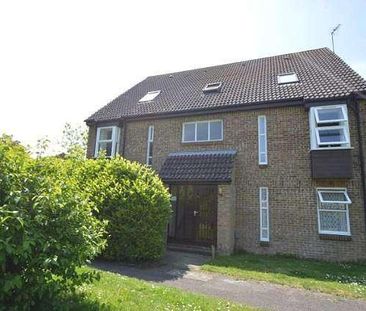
(150, 96)
(212, 87)
(286, 78)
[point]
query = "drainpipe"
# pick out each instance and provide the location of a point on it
(361, 153)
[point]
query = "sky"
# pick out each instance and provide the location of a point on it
(60, 61)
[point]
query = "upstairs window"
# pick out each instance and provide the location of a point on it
(212, 87)
(286, 78)
(202, 131)
(150, 142)
(329, 127)
(333, 215)
(107, 141)
(262, 140)
(149, 96)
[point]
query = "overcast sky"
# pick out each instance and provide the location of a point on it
(60, 61)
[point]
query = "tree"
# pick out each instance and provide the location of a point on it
(74, 140)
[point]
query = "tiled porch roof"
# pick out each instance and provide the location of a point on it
(214, 166)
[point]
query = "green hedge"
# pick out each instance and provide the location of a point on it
(136, 204)
(57, 214)
(46, 230)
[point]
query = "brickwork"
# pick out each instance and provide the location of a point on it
(292, 197)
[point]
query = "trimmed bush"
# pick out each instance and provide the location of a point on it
(47, 229)
(136, 204)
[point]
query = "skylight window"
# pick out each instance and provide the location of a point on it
(212, 87)
(149, 96)
(286, 78)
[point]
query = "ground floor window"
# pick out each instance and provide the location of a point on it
(333, 215)
(264, 215)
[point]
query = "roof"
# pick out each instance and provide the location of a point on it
(322, 74)
(214, 166)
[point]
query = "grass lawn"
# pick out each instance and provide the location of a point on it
(347, 280)
(115, 292)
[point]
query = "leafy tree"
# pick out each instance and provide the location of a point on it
(74, 140)
(47, 229)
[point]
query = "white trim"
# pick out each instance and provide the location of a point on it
(263, 205)
(114, 140)
(262, 135)
(320, 200)
(150, 139)
(344, 192)
(209, 131)
(213, 86)
(329, 128)
(315, 127)
(344, 112)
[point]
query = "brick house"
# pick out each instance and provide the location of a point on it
(265, 155)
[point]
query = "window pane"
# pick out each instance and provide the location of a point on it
(287, 78)
(107, 146)
(202, 131)
(333, 196)
(264, 194)
(216, 130)
(262, 143)
(264, 234)
(333, 221)
(106, 134)
(263, 158)
(332, 135)
(262, 128)
(189, 132)
(150, 146)
(326, 114)
(264, 218)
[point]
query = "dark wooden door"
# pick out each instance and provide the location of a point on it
(194, 218)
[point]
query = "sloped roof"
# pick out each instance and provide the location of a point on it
(322, 74)
(199, 166)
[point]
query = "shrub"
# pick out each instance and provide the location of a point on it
(47, 229)
(134, 201)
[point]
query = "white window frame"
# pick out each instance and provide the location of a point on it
(214, 86)
(264, 136)
(209, 131)
(317, 129)
(315, 126)
(149, 96)
(114, 140)
(263, 205)
(296, 78)
(150, 140)
(320, 199)
(342, 107)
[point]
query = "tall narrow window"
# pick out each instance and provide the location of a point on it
(262, 140)
(264, 215)
(150, 142)
(107, 141)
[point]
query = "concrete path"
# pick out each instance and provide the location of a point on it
(182, 270)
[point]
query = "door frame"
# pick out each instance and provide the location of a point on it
(211, 219)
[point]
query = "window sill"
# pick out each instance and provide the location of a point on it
(331, 148)
(335, 237)
(201, 142)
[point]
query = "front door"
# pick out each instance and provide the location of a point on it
(194, 218)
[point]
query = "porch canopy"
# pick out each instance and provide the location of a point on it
(214, 166)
